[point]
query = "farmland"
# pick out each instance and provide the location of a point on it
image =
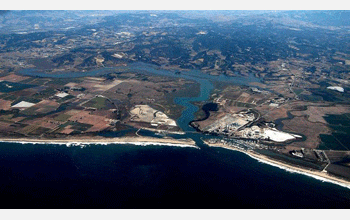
(50, 107)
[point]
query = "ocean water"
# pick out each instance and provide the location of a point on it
(131, 176)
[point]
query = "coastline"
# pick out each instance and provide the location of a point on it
(145, 141)
(319, 175)
(82, 141)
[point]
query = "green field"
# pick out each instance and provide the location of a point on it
(298, 91)
(340, 137)
(45, 93)
(61, 100)
(11, 87)
(97, 102)
(62, 117)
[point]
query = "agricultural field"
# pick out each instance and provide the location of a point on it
(32, 106)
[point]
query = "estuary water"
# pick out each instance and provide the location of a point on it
(131, 176)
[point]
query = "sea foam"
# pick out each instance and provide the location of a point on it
(285, 168)
(298, 171)
(84, 144)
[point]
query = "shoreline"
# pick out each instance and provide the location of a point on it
(81, 141)
(145, 141)
(319, 175)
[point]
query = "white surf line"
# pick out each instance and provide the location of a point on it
(290, 170)
(83, 144)
(160, 144)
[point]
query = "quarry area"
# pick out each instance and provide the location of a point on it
(144, 113)
(243, 125)
(288, 127)
(272, 134)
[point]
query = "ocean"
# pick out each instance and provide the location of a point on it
(131, 176)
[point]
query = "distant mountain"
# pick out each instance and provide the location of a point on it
(323, 18)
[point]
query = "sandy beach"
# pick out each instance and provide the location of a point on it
(323, 176)
(143, 141)
(100, 140)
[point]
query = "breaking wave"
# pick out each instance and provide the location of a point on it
(84, 144)
(323, 179)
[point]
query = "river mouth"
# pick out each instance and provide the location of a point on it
(206, 86)
(204, 80)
